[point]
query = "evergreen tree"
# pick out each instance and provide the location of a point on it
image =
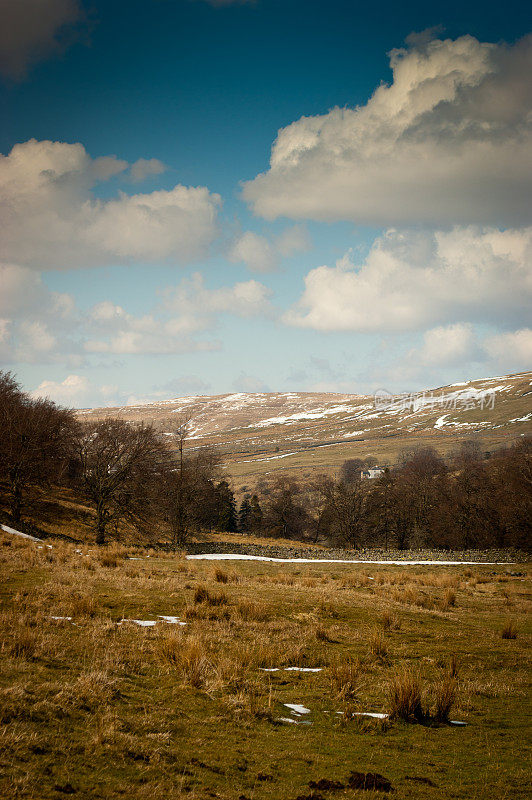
(245, 515)
(227, 516)
(256, 514)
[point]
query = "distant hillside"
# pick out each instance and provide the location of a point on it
(260, 433)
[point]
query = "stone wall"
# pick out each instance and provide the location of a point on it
(369, 554)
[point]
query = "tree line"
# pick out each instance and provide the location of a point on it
(469, 500)
(163, 489)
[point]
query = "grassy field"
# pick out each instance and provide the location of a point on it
(98, 709)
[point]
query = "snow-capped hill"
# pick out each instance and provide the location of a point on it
(309, 429)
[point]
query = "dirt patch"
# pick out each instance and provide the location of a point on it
(369, 780)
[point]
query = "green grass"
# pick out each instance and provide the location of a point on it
(166, 712)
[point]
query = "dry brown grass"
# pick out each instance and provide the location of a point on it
(444, 693)
(390, 622)
(405, 698)
(377, 645)
(449, 600)
(346, 679)
(509, 631)
(141, 698)
(202, 595)
(220, 575)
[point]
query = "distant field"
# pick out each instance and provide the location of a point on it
(93, 708)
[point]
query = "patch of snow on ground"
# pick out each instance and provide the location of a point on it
(295, 708)
(142, 623)
(19, 533)
(270, 458)
(171, 620)
(374, 714)
(522, 419)
(291, 669)
(318, 414)
(440, 422)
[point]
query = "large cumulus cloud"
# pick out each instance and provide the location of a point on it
(411, 280)
(51, 218)
(447, 142)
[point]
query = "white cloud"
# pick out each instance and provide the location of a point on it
(53, 220)
(451, 344)
(448, 142)
(145, 168)
(514, 347)
(79, 392)
(187, 309)
(185, 385)
(255, 251)
(72, 391)
(293, 240)
(36, 322)
(34, 29)
(119, 332)
(243, 299)
(414, 280)
(261, 255)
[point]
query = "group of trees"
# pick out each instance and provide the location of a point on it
(131, 474)
(470, 500)
(127, 473)
(36, 441)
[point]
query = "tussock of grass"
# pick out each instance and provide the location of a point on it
(405, 699)
(390, 622)
(509, 631)
(449, 600)
(202, 595)
(220, 575)
(444, 698)
(346, 679)
(377, 645)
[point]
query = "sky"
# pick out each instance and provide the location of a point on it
(212, 196)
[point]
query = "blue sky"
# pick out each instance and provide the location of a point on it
(386, 244)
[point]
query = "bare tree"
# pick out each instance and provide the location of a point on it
(121, 469)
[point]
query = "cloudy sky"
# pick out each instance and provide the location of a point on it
(207, 196)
